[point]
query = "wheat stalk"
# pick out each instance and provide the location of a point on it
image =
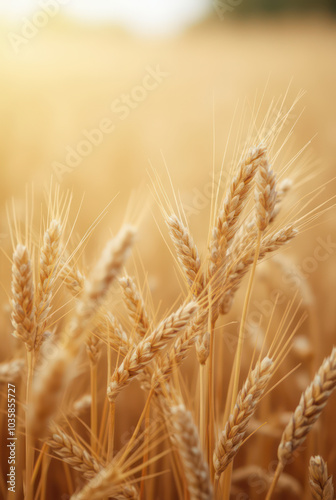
(23, 309)
(235, 429)
(321, 485)
(143, 353)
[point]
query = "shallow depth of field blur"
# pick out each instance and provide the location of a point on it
(99, 99)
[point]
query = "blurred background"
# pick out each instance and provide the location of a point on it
(100, 95)
(93, 93)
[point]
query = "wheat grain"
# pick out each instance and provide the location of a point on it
(321, 485)
(233, 435)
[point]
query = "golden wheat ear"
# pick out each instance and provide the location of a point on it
(321, 485)
(12, 370)
(73, 453)
(143, 353)
(312, 402)
(184, 436)
(135, 305)
(23, 302)
(50, 382)
(228, 215)
(49, 263)
(310, 407)
(234, 433)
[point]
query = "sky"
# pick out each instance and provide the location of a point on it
(141, 16)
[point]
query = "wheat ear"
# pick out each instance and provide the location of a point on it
(135, 305)
(177, 353)
(312, 402)
(282, 189)
(143, 353)
(184, 436)
(49, 261)
(72, 277)
(228, 214)
(242, 260)
(265, 194)
(104, 273)
(235, 429)
(23, 310)
(73, 453)
(321, 485)
(187, 253)
(110, 481)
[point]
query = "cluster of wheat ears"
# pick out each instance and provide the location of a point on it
(196, 443)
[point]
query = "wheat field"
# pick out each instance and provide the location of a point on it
(168, 263)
